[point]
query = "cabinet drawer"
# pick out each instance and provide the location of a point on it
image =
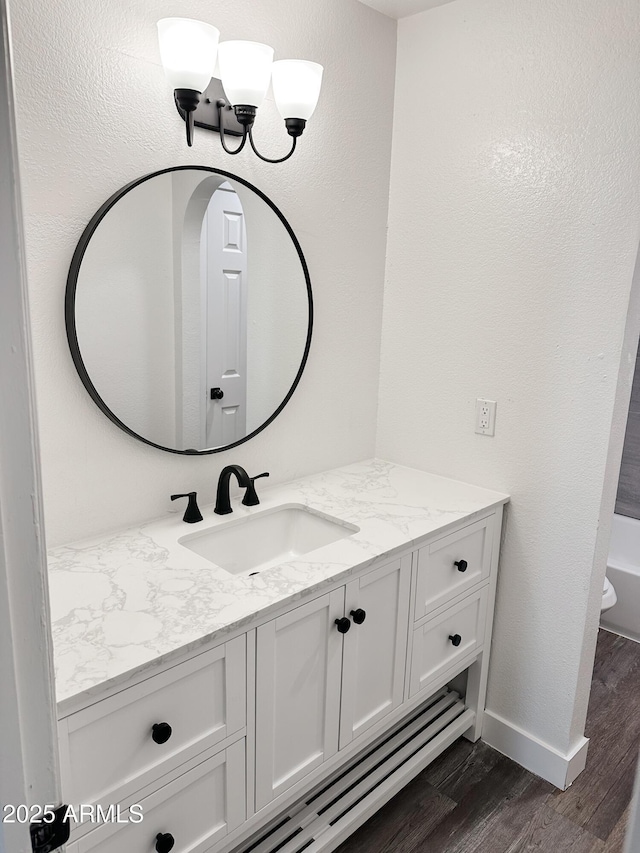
(197, 809)
(433, 651)
(107, 750)
(439, 579)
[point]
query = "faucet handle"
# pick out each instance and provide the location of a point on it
(251, 496)
(192, 513)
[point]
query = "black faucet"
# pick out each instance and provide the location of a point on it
(223, 502)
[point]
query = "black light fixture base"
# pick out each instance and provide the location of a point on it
(205, 114)
(187, 101)
(245, 114)
(295, 126)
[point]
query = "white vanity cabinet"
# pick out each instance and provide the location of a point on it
(308, 722)
(326, 672)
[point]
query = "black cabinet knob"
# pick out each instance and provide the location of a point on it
(217, 393)
(161, 732)
(343, 624)
(462, 565)
(456, 639)
(359, 615)
(164, 842)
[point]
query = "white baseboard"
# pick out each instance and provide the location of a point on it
(612, 629)
(535, 755)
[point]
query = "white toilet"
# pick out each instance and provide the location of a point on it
(609, 596)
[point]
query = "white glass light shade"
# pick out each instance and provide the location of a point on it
(188, 51)
(296, 87)
(245, 71)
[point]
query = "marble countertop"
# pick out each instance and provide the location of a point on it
(132, 600)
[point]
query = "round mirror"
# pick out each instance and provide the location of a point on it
(189, 310)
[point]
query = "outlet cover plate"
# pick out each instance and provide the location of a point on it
(485, 417)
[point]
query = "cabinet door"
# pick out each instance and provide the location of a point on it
(374, 651)
(298, 666)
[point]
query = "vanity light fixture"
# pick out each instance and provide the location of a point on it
(191, 55)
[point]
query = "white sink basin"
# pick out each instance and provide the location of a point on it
(253, 544)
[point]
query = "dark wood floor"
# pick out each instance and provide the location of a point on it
(474, 800)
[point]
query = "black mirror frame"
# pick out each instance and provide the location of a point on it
(70, 301)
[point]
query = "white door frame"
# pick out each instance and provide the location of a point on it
(628, 366)
(28, 742)
(610, 487)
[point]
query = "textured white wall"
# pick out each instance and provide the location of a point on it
(513, 228)
(514, 222)
(95, 112)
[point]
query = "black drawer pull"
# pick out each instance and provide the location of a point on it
(343, 624)
(164, 842)
(359, 615)
(161, 732)
(456, 639)
(462, 565)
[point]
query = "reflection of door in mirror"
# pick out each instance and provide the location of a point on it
(223, 255)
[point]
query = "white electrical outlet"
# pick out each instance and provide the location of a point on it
(485, 417)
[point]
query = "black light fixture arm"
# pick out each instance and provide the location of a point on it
(221, 104)
(266, 159)
(245, 115)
